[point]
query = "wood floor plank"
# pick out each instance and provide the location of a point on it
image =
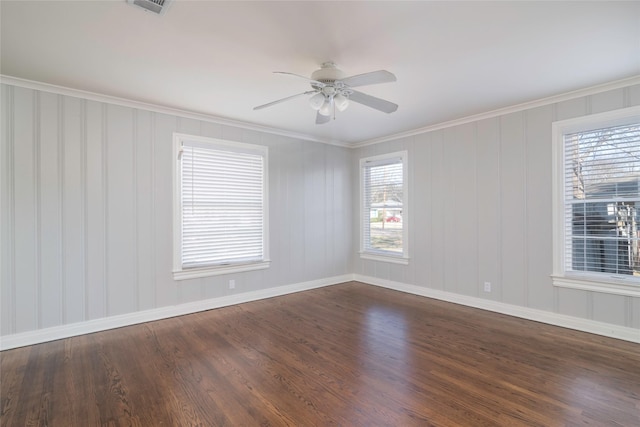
(344, 355)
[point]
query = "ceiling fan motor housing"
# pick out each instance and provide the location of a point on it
(328, 73)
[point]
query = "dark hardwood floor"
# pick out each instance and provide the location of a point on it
(345, 355)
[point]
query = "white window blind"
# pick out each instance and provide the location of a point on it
(222, 204)
(601, 201)
(383, 189)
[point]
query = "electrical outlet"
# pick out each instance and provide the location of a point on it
(487, 286)
(232, 284)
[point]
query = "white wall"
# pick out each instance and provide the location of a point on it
(86, 211)
(480, 197)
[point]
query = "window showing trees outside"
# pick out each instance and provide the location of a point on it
(602, 199)
(383, 206)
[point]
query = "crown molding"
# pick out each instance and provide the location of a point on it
(61, 90)
(506, 110)
(92, 96)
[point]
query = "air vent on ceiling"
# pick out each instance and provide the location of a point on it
(155, 6)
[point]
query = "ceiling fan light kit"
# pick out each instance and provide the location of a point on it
(341, 101)
(332, 91)
(316, 101)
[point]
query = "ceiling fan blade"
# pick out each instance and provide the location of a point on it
(260, 107)
(372, 78)
(373, 102)
(320, 119)
(315, 82)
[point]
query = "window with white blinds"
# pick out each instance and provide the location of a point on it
(221, 198)
(384, 207)
(601, 201)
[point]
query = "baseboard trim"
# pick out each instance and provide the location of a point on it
(118, 321)
(65, 331)
(570, 322)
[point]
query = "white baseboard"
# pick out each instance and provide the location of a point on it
(97, 325)
(570, 322)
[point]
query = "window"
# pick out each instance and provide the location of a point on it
(220, 214)
(597, 202)
(383, 187)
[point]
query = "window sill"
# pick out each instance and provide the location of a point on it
(385, 258)
(589, 283)
(195, 273)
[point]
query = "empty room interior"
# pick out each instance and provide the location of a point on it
(314, 213)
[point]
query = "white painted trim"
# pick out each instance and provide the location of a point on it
(406, 211)
(196, 273)
(506, 110)
(178, 273)
(65, 331)
(29, 84)
(92, 96)
(385, 258)
(588, 284)
(97, 325)
(570, 322)
(594, 282)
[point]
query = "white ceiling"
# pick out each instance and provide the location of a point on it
(451, 59)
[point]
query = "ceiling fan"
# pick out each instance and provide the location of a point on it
(332, 91)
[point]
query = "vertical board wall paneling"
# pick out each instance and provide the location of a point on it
(87, 211)
(538, 233)
(73, 227)
(343, 246)
(143, 154)
(607, 101)
(438, 211)
(448, 220)
(232, 133)
(512, 161)
(634, 315)
(632, 96)
(165, 286)
(295, 192)
(465, 209)
(329, 216)
(25, 287)
(610, 308)
(7, 231)
(278, 215)
(50, 200)
(293, 234)
(421, 214)
(314, 201)
(514, 209)
(489, 214)
(96, 285)
(122, 292)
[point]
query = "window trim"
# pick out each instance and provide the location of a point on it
(377, 256)
(582, 280)
(192, 273)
